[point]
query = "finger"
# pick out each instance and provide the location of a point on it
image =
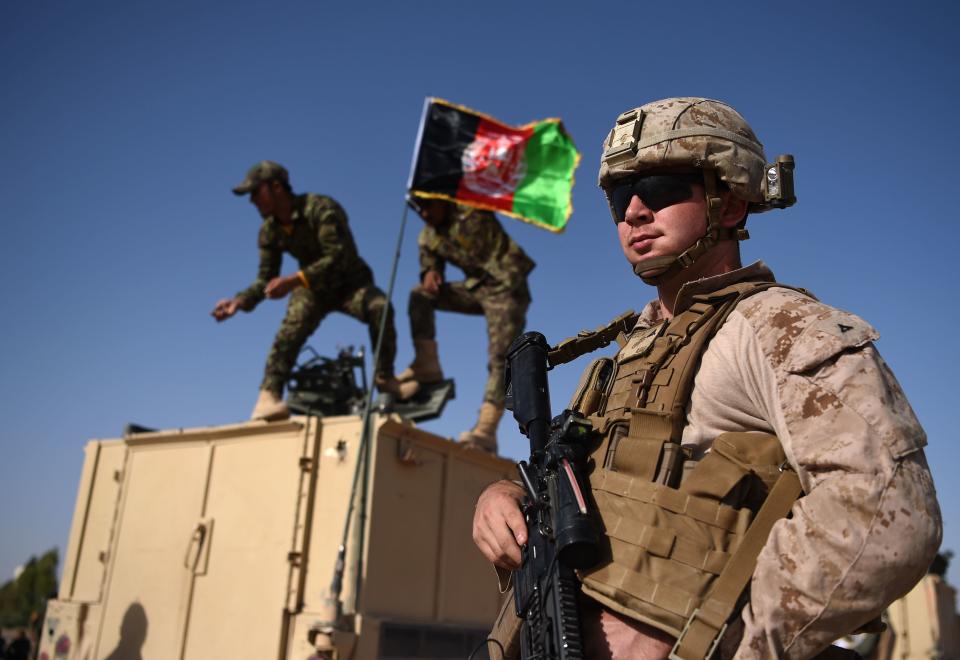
(517, 525)
(486, 550)
(485, 541)
(508, 509)
(510, 556)
(509, 564)
(492, 544)
(499, 551)
(502, 538)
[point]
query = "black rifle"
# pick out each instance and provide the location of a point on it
(560, 529)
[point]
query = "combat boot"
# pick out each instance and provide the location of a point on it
(424, 369)
(270, 407)
(483, 436)
(387, 385)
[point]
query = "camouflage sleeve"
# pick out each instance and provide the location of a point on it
(336, 246)
(869, 524)
(429, 259)
(270, 260)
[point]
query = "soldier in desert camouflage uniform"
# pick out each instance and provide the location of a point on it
(332, 277)
(496, 287)
(680, 176)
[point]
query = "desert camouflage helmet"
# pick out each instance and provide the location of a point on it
(692, 133)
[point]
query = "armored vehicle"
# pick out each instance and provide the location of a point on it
(232, 542)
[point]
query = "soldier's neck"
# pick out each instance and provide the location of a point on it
(715, 262)
(284, 209)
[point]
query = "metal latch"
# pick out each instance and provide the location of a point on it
(624, 137)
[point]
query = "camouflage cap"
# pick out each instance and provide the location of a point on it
(265, 170)
(686, 133)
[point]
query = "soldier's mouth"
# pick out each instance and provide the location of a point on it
(640, 243)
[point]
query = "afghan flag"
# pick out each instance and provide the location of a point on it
(471, 158)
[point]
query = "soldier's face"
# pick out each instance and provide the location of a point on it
(646, 233)
(263, 198)
(434, 211)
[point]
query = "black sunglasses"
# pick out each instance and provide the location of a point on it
(656, 191)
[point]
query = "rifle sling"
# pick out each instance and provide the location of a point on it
(588, 341)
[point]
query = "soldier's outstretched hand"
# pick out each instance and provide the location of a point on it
(498, 525)
(225, 308)
(431, 282)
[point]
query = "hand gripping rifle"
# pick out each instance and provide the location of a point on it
(560, 529)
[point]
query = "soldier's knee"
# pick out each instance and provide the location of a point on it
(375, 305)
(297, 317)
(420, 299)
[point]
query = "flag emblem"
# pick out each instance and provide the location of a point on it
(471, 158)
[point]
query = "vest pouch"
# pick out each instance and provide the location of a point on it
(646, 452)
(670, 470)
(637, 457)
(663, 550)
(614, 433)
(739, 469)
(649, 459)
(590, 391)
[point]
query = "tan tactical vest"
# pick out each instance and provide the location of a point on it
(682, 536)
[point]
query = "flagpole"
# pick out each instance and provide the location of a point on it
(416, 147)
(363, 462)
(363, 452)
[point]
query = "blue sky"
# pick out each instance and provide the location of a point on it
(126, 124)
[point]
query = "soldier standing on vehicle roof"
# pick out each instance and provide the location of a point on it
(724, 385)
(496, 287)
(332, 277)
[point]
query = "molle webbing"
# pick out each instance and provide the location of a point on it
(705, 628)
(680, 553)
(662, 382)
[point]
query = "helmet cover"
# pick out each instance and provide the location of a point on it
(683, 134)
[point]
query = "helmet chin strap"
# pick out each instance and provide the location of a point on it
(648, 269)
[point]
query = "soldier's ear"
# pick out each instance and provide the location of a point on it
(734, 210)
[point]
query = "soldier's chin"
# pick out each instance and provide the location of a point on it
(649, 273)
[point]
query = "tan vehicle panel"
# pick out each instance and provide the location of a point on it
(252, 505)
(85, 559)
(221, 542)
(154, 533)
